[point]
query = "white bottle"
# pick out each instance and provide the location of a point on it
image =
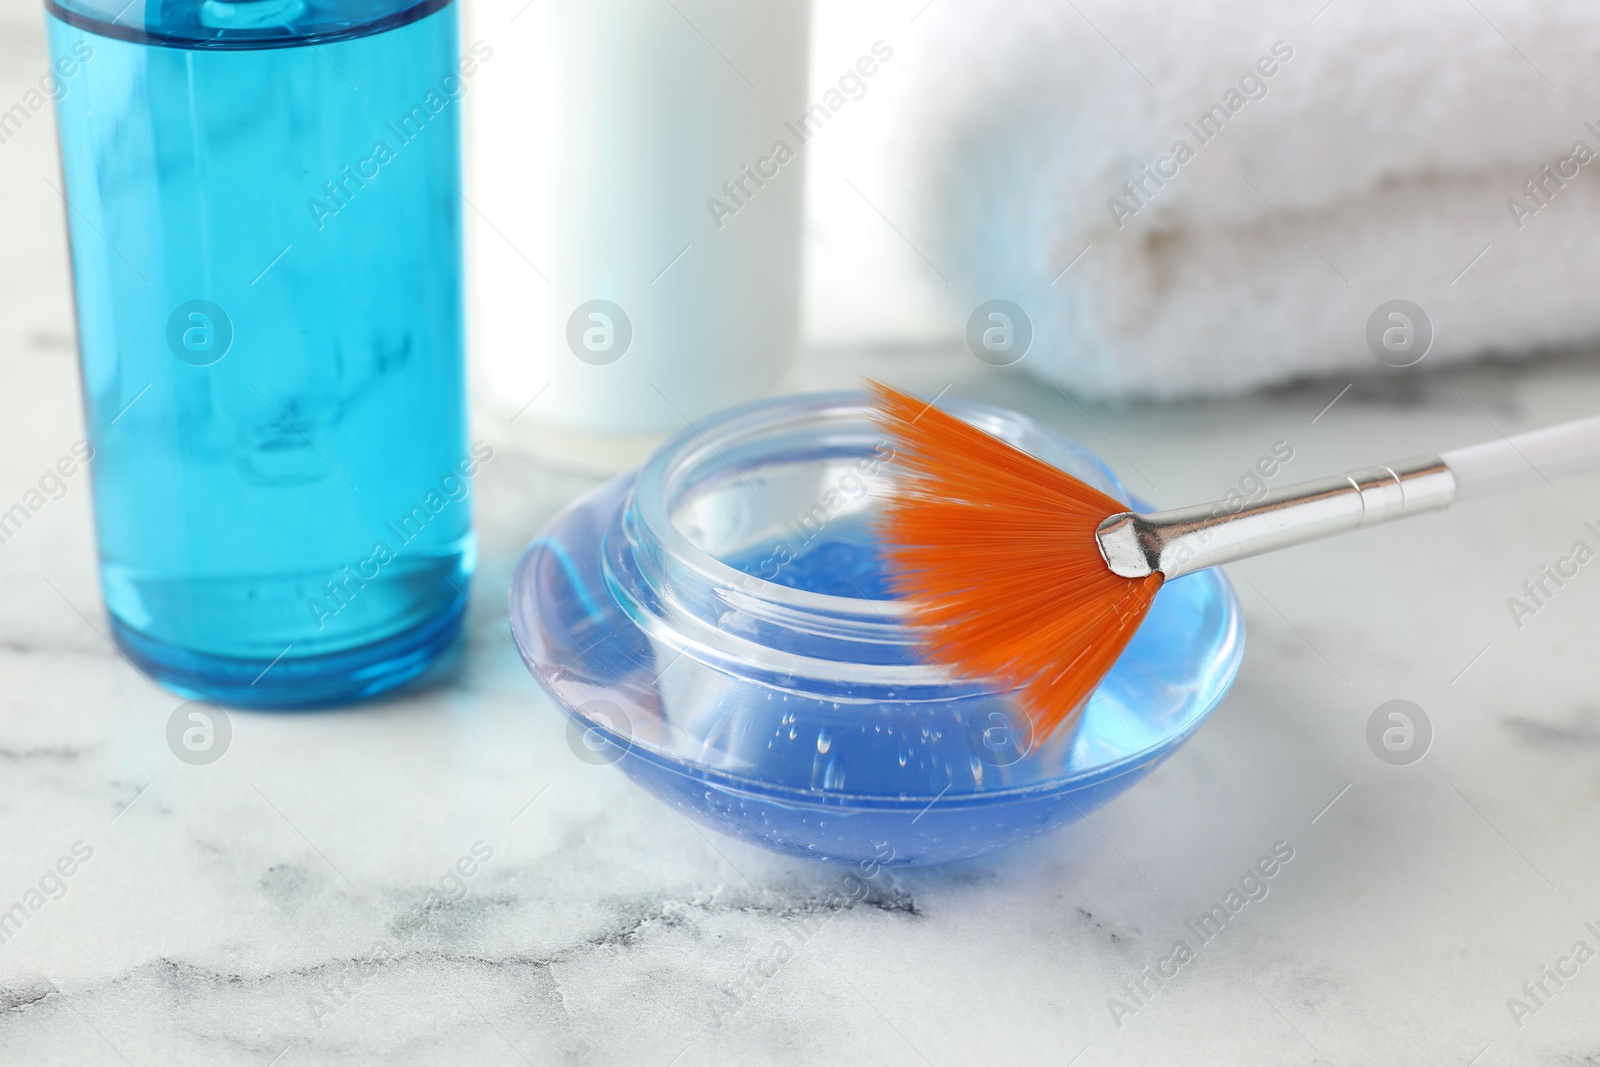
(635, 224)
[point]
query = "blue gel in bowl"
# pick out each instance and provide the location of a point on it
(719, 625)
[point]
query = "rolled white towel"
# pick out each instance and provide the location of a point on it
(1287, 174)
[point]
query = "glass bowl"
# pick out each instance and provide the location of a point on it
(719, 626)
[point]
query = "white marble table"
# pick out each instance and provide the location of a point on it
(282, 905)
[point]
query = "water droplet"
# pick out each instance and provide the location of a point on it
(824, 742)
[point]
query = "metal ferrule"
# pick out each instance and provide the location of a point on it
(1190, 539)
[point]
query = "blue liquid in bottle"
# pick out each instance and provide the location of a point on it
(266, 245)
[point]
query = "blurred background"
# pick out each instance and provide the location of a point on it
(1172, 205)
(1189, 235)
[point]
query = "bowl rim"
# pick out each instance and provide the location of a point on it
(771, 415)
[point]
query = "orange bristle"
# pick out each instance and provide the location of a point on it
(996, 552)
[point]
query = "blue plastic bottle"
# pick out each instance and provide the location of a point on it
(265, 228)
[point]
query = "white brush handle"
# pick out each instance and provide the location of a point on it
(1525, 459)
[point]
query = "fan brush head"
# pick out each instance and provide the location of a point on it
(996, 553)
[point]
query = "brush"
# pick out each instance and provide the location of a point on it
(1021, 575)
